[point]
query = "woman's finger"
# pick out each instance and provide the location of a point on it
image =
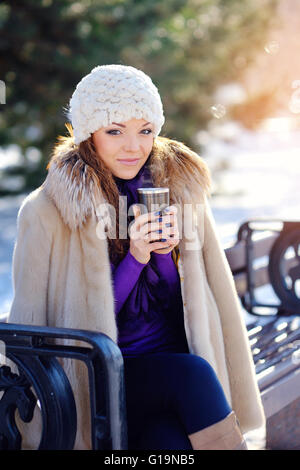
(143, 219)
(150, 227)
(153, 236)
(136, 211)
(170, 210)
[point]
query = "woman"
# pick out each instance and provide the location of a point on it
(164, 292)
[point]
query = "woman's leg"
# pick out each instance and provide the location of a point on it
(163, 432)
(193, 391)
(182, 384)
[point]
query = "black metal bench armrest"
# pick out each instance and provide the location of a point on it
(35, 350)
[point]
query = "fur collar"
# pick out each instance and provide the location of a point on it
(74, 187)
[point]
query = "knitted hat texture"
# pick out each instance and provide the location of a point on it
(113, 93)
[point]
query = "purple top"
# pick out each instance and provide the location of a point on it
(148, 302)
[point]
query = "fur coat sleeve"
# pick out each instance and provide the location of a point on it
(30, 268)
(245, 395)
(214, 320)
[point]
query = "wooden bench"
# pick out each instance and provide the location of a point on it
(265, 262)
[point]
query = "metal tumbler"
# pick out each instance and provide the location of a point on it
(153, 199)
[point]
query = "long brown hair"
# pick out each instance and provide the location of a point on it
(163, 173)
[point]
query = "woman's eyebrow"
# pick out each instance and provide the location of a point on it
(122, 125)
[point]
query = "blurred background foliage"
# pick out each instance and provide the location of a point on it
(189, 48)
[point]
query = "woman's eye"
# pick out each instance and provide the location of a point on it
(113, 131)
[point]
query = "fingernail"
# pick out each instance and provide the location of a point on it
(163, 240)
(168, 225)
(157, 213)
(160, 219)
(159, 231)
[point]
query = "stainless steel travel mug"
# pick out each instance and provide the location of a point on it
(154, 199)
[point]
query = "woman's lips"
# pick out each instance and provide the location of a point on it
(129, 161)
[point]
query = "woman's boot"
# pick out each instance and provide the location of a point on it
(223, 435)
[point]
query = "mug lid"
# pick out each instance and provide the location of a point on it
(152, 190)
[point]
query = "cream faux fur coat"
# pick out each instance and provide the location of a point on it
(62, 276)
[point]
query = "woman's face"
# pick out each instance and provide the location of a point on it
(124, 147)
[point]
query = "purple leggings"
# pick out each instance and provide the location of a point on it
(168, 396)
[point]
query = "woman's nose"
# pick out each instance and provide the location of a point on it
(131, 144)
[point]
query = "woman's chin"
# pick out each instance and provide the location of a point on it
(126, 174)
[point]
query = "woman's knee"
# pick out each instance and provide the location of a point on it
(199, 397)
(198, 382)
(196, 368)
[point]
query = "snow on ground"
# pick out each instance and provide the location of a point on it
(261, 179)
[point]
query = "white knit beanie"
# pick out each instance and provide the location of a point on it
(113, 93)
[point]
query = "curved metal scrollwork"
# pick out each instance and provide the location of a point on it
(52, 388)
(17, 395)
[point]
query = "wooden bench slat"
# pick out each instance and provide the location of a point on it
(286, 391)
(267, 377)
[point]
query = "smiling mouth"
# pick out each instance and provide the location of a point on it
(129, 161)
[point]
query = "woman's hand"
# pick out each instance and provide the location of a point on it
(170, 220)
(148, 228)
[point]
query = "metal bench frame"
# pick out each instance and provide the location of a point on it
(35, 353)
